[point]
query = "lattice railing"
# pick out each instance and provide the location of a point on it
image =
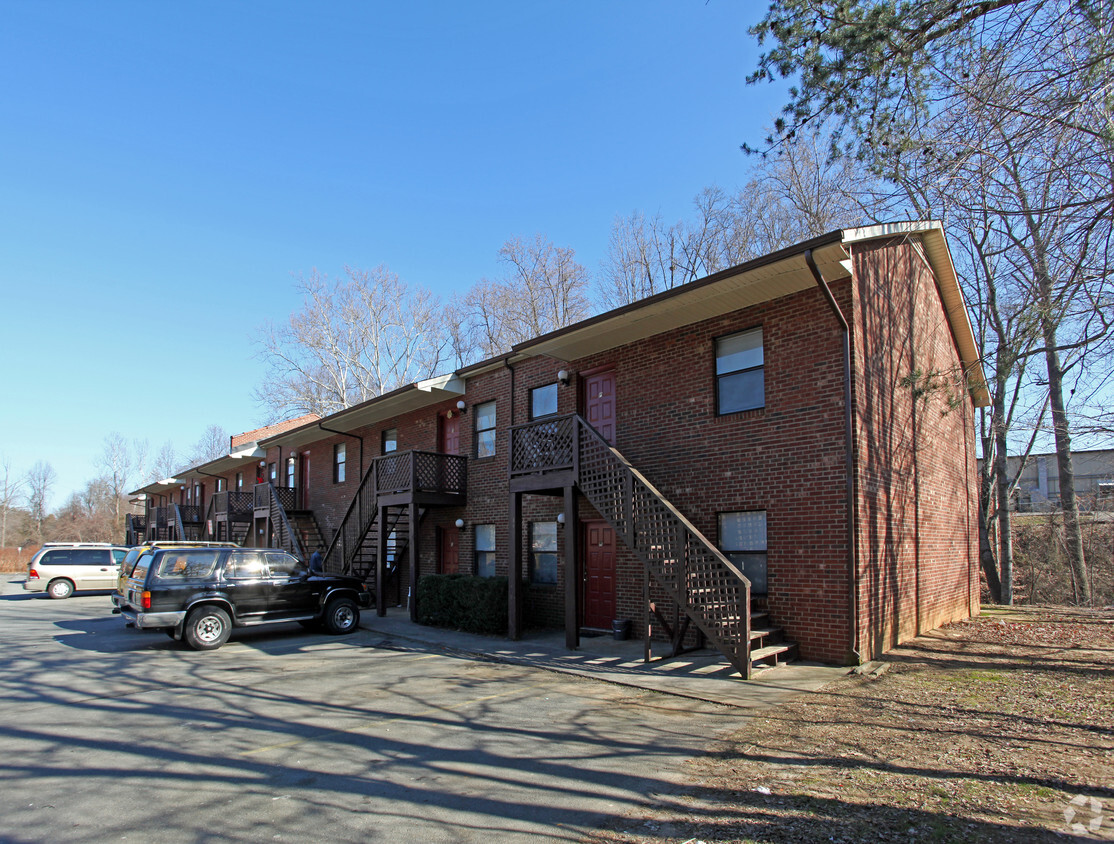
(705, 584)
(543, 445)
(189, 512)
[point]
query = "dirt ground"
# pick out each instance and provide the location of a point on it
(998, 729)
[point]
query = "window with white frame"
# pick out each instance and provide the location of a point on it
(340, 459)
(740, 372)
(485, 429)
(485, 550)
(543, 401)
(543, 552)
(390, 440)
(742, 538)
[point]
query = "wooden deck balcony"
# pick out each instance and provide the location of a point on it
(287, 497)
(543, 454)
(230, 506)
(424, 477)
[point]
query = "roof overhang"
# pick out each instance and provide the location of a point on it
(770, 277)
(425, 393)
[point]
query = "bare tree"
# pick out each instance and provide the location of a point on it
(793, 193)
(89, 515)
(1005, 110)
(121, 462)
(214, 443)
(543, 290)
(10, 490)
(352, 340)
(165, 464)
(39, 482)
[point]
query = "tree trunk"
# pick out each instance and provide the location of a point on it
(1005, 533)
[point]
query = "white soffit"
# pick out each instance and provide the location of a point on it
(408, 398)
(682, 306)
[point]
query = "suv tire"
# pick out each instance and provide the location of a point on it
(341, 616)
(59, 589)
(207, 628)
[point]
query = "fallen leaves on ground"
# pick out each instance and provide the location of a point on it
(996, 729)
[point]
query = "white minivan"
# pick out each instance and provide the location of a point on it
(60, 568)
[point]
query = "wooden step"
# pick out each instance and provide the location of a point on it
(773, 655)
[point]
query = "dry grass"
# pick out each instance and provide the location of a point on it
(982, 731)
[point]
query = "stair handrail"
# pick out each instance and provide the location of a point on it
(278, 516)
(345, 541)
(737, 651)
(177, 514)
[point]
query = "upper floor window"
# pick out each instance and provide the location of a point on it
(740, 382)
(239, 481)
(273, 472)
(290, 469)
(220, 485)
(742, 538)
(485, 550)
(485, 429)
(543, 401)
(340, 457)
(390, 440)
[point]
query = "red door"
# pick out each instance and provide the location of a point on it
(450, 554)
(599, 575)
(599, 403)
(450, 433)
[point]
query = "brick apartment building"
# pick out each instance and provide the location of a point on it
(787, 443)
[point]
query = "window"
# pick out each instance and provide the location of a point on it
(290, 464)
(282, 565)
(390, 440)
(245, 565)
(740, 383)
(220, 485)
(485, 429)
(273, 472)
(340, 458)
(485, 550)
(543, 552)
(742, 538)
(239, 481)
(543, 401)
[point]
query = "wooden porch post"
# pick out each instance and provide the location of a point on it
(572, 569)
(414, 557)
(514, 578)
(381, 564)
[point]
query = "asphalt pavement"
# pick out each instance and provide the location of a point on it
(393, 733)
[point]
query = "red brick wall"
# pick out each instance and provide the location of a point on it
(918, 537)
(786, 459)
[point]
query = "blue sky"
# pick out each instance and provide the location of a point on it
(167, 168)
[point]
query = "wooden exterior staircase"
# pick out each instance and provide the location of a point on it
(711, 592)
(381, 524)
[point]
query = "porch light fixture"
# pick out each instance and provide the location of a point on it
(563, 377)
(460, 405)
(262, 463)
(560, 518)
(459, 524)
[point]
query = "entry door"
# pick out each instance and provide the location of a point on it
(450, 434)
(450, 551)
(599, 403)
(303, 487)
(599, 575)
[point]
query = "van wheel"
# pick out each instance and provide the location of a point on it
(59, 589)
(341, 616)
(207, 628)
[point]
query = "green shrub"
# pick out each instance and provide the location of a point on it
(463, 602)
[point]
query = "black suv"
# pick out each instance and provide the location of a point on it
(200, 594)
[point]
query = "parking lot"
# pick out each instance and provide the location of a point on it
(111, 734)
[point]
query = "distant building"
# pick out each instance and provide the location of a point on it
(1038, 489)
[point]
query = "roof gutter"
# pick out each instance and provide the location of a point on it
(849, 459)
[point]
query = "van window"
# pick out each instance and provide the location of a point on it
(76, 557)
